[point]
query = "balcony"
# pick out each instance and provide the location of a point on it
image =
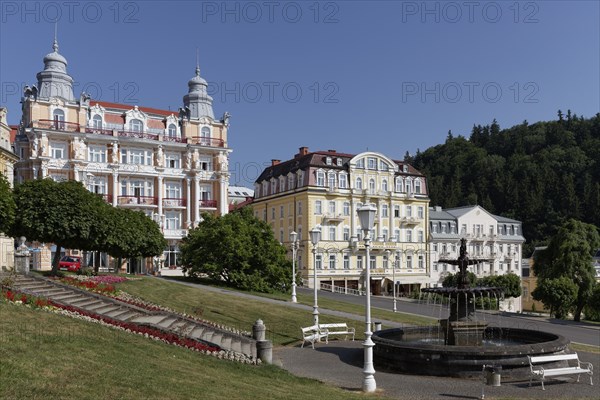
(56, 125)
(331, 217)
(173, 202)
(208, 204)
(174, 139)
(137, 200)
(138, 134)
(174, 233)
(99, 131)
(411, 220)
(203, 141)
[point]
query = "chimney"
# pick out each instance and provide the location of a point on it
(332, 151)
(301, 152)
(275, 162)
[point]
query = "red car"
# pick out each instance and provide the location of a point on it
(70, 263)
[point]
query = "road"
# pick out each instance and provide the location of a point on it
(577, 332)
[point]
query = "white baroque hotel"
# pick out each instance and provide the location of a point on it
(173, 166)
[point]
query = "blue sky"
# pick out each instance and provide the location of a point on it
(389, 76)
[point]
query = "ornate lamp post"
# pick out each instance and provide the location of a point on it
(366, 215)
(396, 262)
(315, 237)
(294, 240)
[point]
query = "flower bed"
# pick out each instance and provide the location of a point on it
(90, 284)
(25, 299)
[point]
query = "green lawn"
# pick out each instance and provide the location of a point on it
(49, 356)
(283, 323)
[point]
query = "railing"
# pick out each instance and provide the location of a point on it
(56, 125)
(208, 203)
(340, 289)
(175, 139)
(178, 233)
(138, 135)
(99, 131)
(173, 202)
(139, 200)
(202, 141)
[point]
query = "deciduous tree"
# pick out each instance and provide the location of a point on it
(7, 205)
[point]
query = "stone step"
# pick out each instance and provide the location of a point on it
(167, 322)
(65, 297)
(127, 315)
(187, 329)
(116, 313)
(84, 302)
(51, 291)
(34, 286)
(197, 332)
(107, 309)
(149, 319)
(178, 326)
(95, 307)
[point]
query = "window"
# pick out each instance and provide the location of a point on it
(421, 262)
(443, 227)
(332, 233)
(359, 263)
(396, 235)
(371, 185)
(332, 261)
(434, 227)
(328, 160)
(435, 266)
(399, 185)
(59, 119)
(281, 184)
(97, 121)
(281, 236)
(281, 211)
(409, 211)
(408, 235)
(397, 211)
(343, 181)
(97, 185)
(384, 210)
(409, 262)
(420, 212)
(319, 262)
(299, 208)
(136, 156)
(359, 184)
(320, 178)
(172, 131)
(97, 154)
(408, 190)
(346, 261)
(172, 220)
(346, 233)
(332, 208)
(300, 177)
(385, 262)
(172, 190)
(420, 236)
(360, 163)
(372, 262)
(463, 229)
(135, 125)
(371, 163)
(383, 166)
(273, 186)
(58, 150)
(331, 180)
(290, 182)
(385, 234)
(173, 160)
(205, 136)
(384, 185)
(346, 208)
(318, 207)
(418, 186)
(339, 162)
(272, 212)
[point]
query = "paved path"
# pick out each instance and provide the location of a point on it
(340, 363)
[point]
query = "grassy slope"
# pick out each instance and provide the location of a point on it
(49, 356)
(283, 322)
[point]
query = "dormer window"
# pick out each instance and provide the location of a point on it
(97, 122)
(405, 168)
(339, 162)
(205, 136)
(418, 186)
(59, 119)
(328, 160)
(372, 163)
(135, 125)
(172, 130)
(320, 178)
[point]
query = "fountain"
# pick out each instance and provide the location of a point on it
(461, 344)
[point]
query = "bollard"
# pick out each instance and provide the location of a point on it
(491, 377)
(258, 330)
(264, 351)
(377, 326)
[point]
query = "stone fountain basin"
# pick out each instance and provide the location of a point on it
(400, 350)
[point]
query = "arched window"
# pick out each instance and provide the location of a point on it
(408, 184)
(135, 125)
(418, 186)
(399, 185)
(320, 178)
(371, 185)
(331, 179)
(384, 185)
(172, 130)
(343, 181)
(97, 121)
(359, 183)
(59, 119)
(205, 136)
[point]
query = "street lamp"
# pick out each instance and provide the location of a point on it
(315, 237)
(396, 261)
(294, 240)
(366, 215)
(389, 261)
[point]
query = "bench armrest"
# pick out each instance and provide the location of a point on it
(537, 370)
(587, 365)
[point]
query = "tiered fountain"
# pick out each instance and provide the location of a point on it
(461, 344)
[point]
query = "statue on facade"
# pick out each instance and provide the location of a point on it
(115, 153)
(160, 157)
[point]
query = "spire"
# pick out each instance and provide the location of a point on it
(54, 81)
(197, 99)
(55, 44)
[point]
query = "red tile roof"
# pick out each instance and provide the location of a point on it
(127, 107)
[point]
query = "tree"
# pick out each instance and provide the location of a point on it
(592, 308)
(559, 295)
(569, 255)
(238, 249)
(509, 283)
(7, 205)
(63, 213)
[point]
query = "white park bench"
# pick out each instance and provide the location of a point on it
(542, 372)
(313, 334)
(337, 329)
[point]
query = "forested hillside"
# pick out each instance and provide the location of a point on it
(541, 174)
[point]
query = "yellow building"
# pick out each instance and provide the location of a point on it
(324, 190)
(7, 161)
(172, 165)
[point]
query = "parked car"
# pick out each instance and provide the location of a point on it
(70, 263)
